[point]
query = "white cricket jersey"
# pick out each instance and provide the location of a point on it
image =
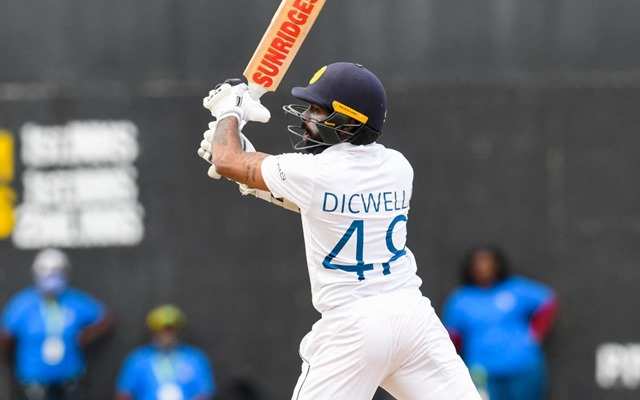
(354, 203)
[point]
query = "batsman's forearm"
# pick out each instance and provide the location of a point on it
(231, 161)
(226, 140)
(226, 146)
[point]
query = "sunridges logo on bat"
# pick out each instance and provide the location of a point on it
(281, 42)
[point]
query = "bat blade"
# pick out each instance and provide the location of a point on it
(280, 44)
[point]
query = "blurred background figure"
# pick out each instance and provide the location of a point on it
(166, 369)
(497, 322)
(49, 325)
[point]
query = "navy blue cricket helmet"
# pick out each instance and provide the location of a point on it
(356, 102)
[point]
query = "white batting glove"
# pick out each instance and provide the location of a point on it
(232, 99)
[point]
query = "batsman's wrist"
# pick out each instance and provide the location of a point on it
(236, 113)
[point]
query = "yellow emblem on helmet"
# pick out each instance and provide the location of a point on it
(317, 75)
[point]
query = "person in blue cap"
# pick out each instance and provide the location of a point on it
(498, 322)
(353, 195)
(166, 369)
(50, 325)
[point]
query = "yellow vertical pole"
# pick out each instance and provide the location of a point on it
(7, 195)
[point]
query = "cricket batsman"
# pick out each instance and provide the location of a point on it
(353, 195)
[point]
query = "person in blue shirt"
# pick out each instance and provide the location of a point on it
(166, 369)
(49, 325)
(497, 322)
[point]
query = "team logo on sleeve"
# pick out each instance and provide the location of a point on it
(281, 172)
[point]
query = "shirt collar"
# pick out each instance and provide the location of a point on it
(346, 146)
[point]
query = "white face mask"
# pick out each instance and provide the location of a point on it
(50, 271)
(52, 284)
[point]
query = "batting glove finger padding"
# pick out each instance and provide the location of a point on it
(225, 100)
(253, 110)
(234, 100)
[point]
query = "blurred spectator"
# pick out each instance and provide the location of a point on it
(49, 325)
(497, 322)
(166, 369)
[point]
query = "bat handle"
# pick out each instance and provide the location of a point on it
(256, 90)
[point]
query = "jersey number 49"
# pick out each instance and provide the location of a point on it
(357, 227)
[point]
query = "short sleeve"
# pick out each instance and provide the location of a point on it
(13, 314)
(454, 319)
(533, 294)
(291, 176)
(90, 310)
(206, 383)
(127, 378)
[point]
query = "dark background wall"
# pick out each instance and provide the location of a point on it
(520, 119)
(408, 40)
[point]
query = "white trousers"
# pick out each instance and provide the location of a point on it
(393, 340)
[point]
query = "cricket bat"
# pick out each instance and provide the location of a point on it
(280, 44)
